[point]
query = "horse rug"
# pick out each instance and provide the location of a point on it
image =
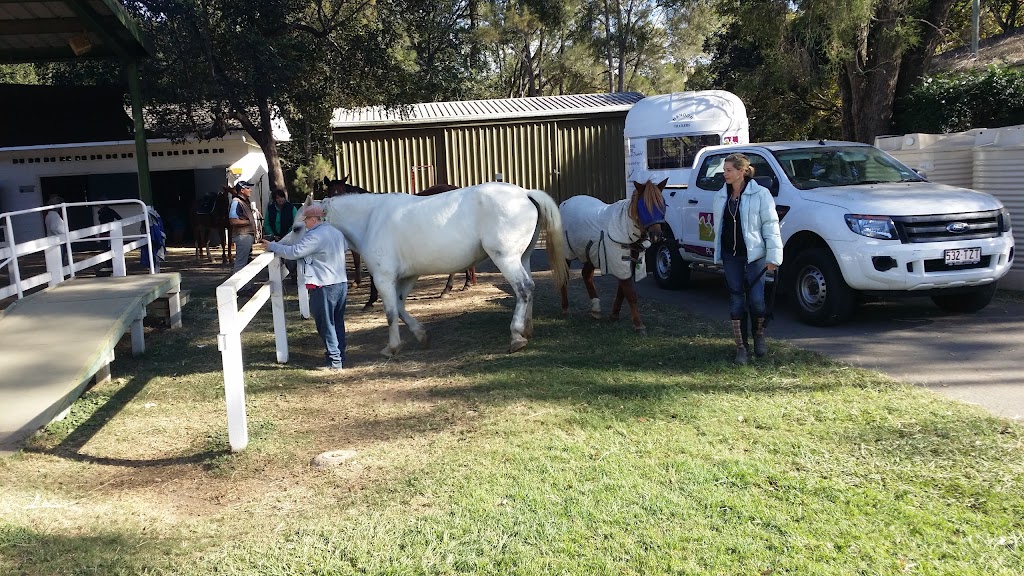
(602, 234)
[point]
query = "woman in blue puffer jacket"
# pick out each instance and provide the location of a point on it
(747, 240)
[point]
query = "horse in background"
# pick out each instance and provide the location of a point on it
(613, 237)
(403, 237)
(334, 188)
(471, 271)
(210, 216)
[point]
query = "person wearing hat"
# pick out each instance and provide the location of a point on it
(243, 227)
(321, 251)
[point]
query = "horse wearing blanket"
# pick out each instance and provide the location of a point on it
(611, 237)
(402, 237)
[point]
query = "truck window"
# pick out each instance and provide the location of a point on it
(709, 175)
(677, 151)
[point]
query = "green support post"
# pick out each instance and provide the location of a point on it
(141, 150)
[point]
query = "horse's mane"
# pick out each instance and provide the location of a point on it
(650, 195)
(346, 188)
(437, 189)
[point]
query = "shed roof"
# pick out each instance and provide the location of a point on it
(54, 30)
(496, 109)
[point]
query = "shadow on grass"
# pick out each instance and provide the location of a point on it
(32, 552)
(79, 434)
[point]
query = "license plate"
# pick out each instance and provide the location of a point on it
(962, 256)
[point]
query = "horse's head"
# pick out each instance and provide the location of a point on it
(339, 187)
(647, 208)
(299, 223)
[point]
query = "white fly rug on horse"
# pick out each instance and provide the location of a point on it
(601, 234)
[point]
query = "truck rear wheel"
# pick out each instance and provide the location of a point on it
(967, 302)
(821, 295)
(671, 272)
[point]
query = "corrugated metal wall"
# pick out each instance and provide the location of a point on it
(563, 157)
(592, 159)
(392, 161)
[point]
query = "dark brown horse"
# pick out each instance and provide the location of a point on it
(337, 188)
(471, 271)
(210, 216)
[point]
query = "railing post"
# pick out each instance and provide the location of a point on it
(230, 344)
(54, 264)
(117, 250)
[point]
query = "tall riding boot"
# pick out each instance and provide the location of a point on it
(760, 344)
(737, 335)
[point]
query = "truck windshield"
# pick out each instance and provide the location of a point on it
(819, 166)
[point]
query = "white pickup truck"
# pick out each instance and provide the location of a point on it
(855, 222)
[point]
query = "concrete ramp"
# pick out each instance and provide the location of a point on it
(53, 342)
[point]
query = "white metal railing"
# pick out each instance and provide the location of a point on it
(50, 246)
(233, 321)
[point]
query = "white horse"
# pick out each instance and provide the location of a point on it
(402, 237)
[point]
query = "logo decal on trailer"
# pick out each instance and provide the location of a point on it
(706, 226)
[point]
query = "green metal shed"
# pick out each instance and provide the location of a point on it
(564, 145)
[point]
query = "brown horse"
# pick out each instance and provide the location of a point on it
(210, 216)
(612, 237)
(471, 271)
(337, 188)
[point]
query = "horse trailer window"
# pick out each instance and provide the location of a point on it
(677, 151)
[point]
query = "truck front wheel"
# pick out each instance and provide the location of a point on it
(967, 302)
(671, 272)
(821, 295)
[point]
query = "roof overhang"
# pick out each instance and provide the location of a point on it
(59, 30)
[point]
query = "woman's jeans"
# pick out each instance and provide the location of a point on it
(739, 275)
(327, 305)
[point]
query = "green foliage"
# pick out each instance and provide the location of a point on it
(989, 98)
(18, 74)
(309, 177)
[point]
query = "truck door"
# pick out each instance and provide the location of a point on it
(699, 233)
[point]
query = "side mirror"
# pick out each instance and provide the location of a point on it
(921, 173)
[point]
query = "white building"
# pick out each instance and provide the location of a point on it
(80, 168)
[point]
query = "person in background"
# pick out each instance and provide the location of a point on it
(55, 224)
(243, 226)
(322, 253)
(278, 222)
(748, 243)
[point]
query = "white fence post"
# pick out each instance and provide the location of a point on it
(230, 345)
(277, 306)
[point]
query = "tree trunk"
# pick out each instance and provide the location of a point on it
(916, 59)
(868, 83)
(269, 145)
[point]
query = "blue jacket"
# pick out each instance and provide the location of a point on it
(759, 221)
(322, 253)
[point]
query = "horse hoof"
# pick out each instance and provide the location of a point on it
(641, 330)
(595, 315)
(424, 340)
(367, 307)
(614, 317)
(446, 294)
(387, 352)
(517, 345)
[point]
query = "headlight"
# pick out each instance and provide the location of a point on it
(880, 227)
(1004, 220)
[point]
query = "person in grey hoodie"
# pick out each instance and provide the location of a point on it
(747, 242)
(321, 252)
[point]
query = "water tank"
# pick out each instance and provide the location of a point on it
(944, 158)
(999, 170)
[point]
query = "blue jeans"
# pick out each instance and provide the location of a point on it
(327, 305)
(736, 271)
(243, 249)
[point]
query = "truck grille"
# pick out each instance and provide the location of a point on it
(935, 228)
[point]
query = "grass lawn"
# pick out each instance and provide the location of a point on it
(592, 451)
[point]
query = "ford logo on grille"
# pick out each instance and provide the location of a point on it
(958, 227)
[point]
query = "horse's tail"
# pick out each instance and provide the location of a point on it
(551, 223)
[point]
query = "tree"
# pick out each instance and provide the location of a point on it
(254, 61)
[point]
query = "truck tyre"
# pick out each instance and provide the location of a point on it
(671, 272)
(968, 301)
(821, 295)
